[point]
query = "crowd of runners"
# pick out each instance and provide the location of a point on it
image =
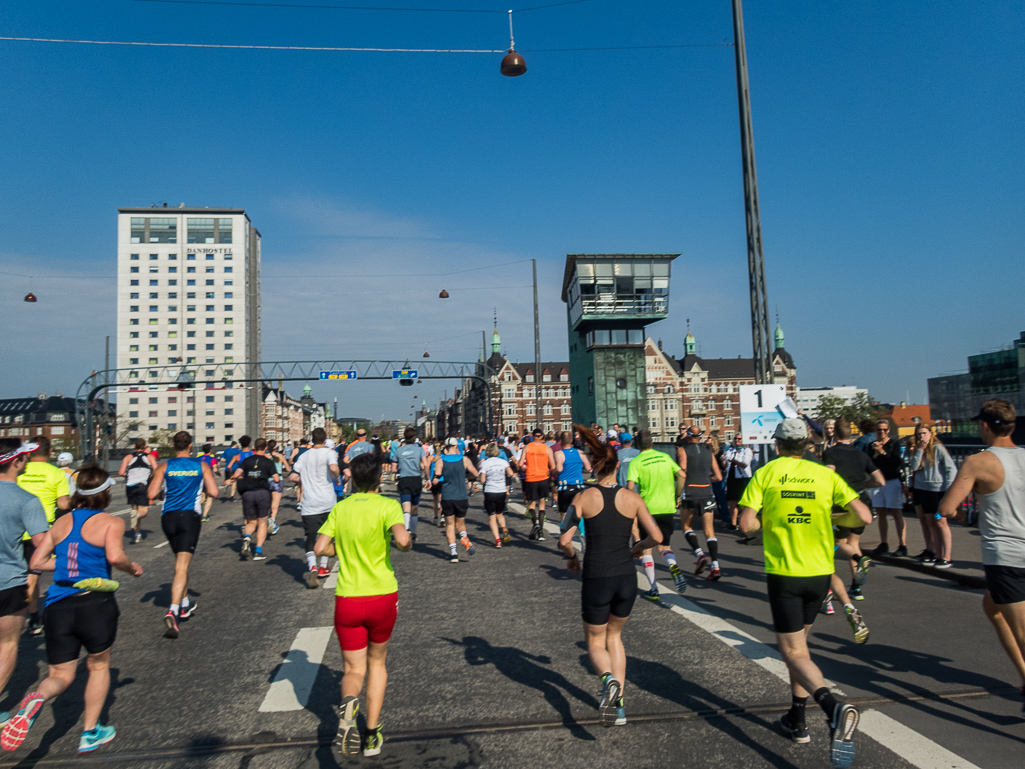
(612, 497)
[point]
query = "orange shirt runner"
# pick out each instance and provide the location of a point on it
(535, 458)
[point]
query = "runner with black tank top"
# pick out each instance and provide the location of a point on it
(997, 476)
(185, 476)
(698, 499)
(137, 469)
(254, 476)
(450, 470)
(609, 576)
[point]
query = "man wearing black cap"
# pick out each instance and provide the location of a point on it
(997, 476)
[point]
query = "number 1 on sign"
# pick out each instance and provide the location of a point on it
(758, 393)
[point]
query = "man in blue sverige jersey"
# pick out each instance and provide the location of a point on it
(186, 476)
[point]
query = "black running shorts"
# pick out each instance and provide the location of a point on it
(311, 527)
(601, 597)
(138, 495)
(735, 488)
(795, 601)
(409, 488)
(566, 495)
(666, 524)
(27, 549)
(181, 527)
(843, 531)
(1006, 584)
(700, 506)
(88, 620)
(494, 502)
(13, 600)
(534, 491)
(256, 504)
(454, 507)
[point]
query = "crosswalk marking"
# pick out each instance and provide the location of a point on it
(331, 581)
(293, 683)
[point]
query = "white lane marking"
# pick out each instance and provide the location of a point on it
(913, 747)
(162, 544)
(291, 687)
(331, 580)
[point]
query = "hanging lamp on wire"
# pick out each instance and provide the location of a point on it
(513, 64)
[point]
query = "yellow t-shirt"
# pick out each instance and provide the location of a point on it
(796, 498)
(361, 528)
(46, 482)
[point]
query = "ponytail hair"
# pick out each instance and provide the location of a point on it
(603, 456)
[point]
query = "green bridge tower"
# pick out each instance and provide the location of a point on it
(610, 298)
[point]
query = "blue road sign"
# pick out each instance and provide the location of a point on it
(404, 373)
(338, 375)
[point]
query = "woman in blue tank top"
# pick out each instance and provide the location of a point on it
(80, 607)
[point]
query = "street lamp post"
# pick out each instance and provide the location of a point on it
(537, 352)
(752, 212)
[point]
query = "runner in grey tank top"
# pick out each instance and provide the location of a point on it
(997, 476)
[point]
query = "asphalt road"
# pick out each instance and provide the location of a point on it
(488, 669)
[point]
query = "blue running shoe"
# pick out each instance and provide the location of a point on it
(93, 738)
(609, 699)
(272, 527)
(841, 733)
(620, 712)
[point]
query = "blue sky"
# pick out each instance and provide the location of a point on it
(888, 139)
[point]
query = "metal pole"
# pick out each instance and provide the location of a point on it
(104, 438)
(752, 212)
(537, 352)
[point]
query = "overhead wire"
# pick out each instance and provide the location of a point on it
(312, 6)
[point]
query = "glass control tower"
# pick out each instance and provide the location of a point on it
(610, 298)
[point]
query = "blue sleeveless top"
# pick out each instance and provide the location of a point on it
(76, 559)
(184, 479)
(572, 468)
(453, 482)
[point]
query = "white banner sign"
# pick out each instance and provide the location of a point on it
(758, 413)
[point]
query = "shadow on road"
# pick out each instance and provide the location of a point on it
(529, 669)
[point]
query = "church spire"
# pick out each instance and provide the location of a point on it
(689, 342)
(496, 340)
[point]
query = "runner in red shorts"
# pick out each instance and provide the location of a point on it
(366, 599)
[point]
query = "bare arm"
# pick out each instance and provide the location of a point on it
(857, 514)
(680, 480)
(403, 541)
(551, 459)
(63, 502)
(876, 480)
(716, 471)
(124, 465)
(587, 462)
(325, 545)
(470, 468)
(963, 485)
(647, 524)
(41, 560)
(157, 481)
(113, 540)
(749, 520)
(209, 482)
(335, 472)
(559, 460)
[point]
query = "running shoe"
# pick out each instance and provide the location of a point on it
(678, 578)
(259, 555)
(4, 718)
(348, 732)
(298, 507)
(884, 548)
(926, 556)
(533, 532)
(942, 564)
(609, 697)
(714, 574)
(857, 623)
(652, 595)
(311, 578)
(620, 713)
(435, 521)
(17, 728)
(861, 570)
(701, 564)
(541, 534)
(827, 605)
(246, 547)
(901, 552)
(453, 558)
(855, 593)
(498, 542)
(204, 518)
(797, 732)
(323, 571)
(841, 734)
(372, 741)
(441, 522)
(470, 549)
(137, 538)
(97, 585)
(93, 738)
(188, 611)
(171, 622)
(35, 627)
(506, 536)
(272, 527)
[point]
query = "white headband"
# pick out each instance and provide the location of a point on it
(101, 488)
(25, 448)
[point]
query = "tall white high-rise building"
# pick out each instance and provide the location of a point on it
(188, 297)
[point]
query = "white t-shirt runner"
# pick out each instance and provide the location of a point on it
(314, 469)
(494, 475)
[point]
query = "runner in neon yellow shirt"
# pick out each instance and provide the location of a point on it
(359, 530)
(796, 499)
